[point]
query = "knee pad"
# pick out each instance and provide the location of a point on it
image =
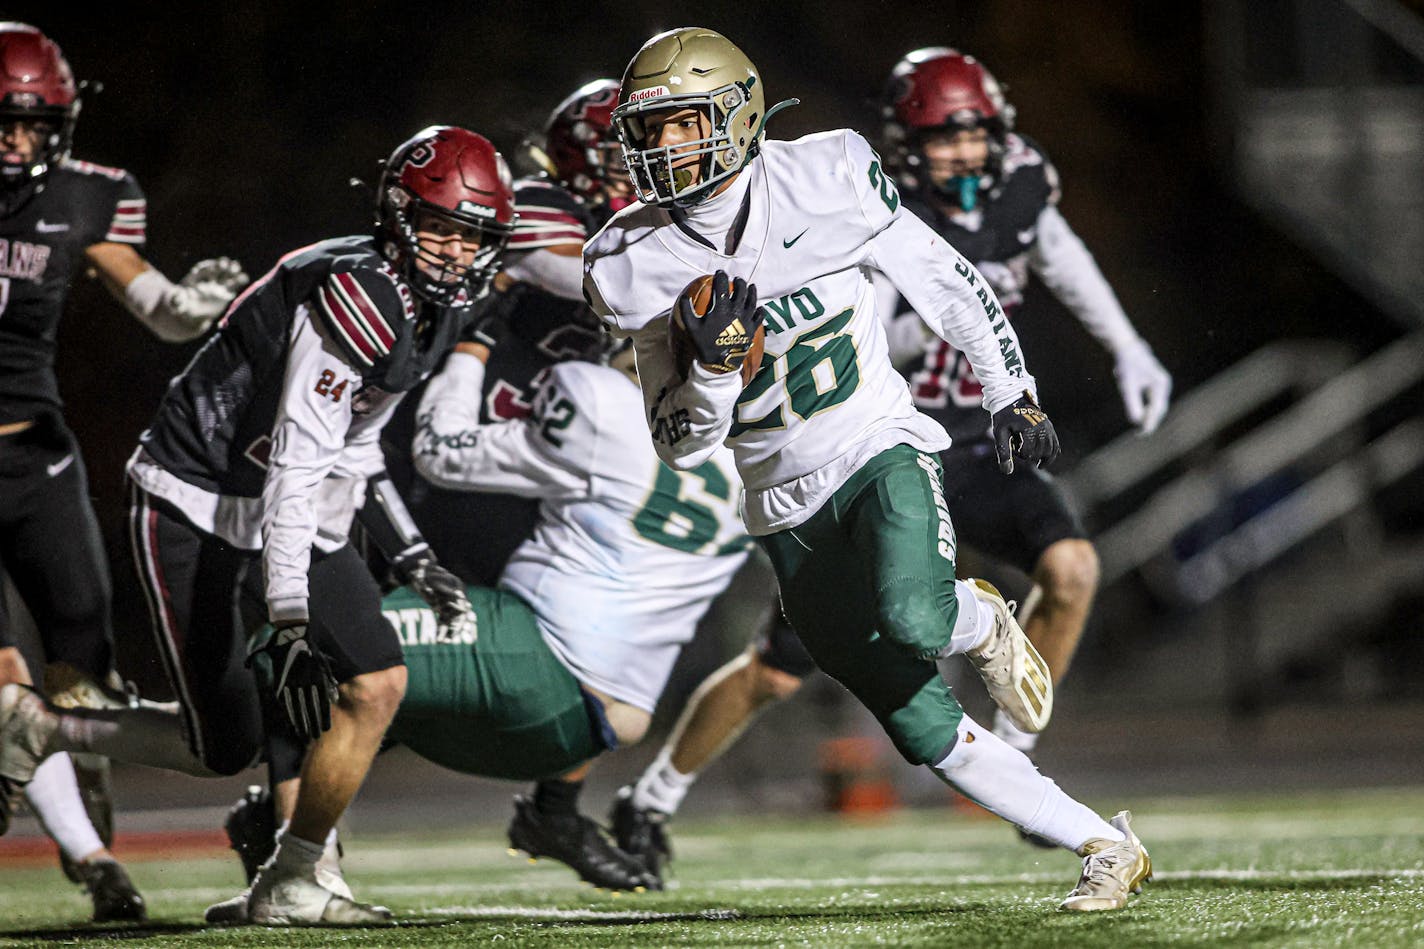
(910, 618)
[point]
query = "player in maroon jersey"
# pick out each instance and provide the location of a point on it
(59, 216)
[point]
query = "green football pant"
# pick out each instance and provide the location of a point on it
(502, 706)
(868, 584)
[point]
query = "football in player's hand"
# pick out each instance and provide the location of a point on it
(699, 294)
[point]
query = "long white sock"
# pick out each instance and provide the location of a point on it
(986, 770)
(53, 794)
(1009, 732)
(972, 625)
(662, 787)
(138, 736)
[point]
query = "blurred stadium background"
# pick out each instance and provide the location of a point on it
(1250, 175)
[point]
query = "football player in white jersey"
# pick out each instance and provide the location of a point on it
(993, 194)
(625, 558)
(843, 483)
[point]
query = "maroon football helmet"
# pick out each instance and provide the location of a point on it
(36, 85)
(581, 142)
(455, 175)
(938, 89)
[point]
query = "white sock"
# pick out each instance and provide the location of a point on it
(662, 787)
(1009, 732)
(295, 854)
(138, 736)
(53, 794)
(973, 624)
(329, 849)
(988, 771)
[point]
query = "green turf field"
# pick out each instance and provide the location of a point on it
(1313, 870)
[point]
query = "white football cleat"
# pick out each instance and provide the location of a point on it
(230, 912)
(329, 875)
(26, 726)
(1111, 870)
(1014, 673)
(280, 897)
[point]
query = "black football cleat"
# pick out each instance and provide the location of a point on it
(575, 840)
(115, 897)
(641, 833)
(251, 827)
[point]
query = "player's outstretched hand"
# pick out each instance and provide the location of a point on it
(722, 336)
(445, 593)
(1023, 429)
(1145, 386)
(305, 687)
(206, 290)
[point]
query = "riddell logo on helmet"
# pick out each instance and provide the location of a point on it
(643, 94)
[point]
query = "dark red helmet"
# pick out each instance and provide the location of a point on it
(941, 89)
(458, 177)
(36, 85)
(580, 141)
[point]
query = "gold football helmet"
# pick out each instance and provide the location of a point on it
(691, 68)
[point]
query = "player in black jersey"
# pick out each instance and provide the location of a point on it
(538, 313)
(537, 317)
(249, 477)
(993, 195)
(59, 216)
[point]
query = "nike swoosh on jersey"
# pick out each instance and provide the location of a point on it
(787, 243)
(44, 227)
(60, 465)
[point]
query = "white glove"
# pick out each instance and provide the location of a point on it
(206, 290)
(1144, 384)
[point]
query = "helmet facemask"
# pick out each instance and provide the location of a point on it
(431, 275)
(663, 174)
(963, 190)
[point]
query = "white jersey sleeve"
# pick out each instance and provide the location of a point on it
(535, 456)
(954, 300)
(308, 438)
(1067, 268)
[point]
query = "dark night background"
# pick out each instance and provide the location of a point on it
(244, 124)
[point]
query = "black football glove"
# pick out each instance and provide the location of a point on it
(305, 687)
(1023, 429)
(445, 594)
(722, 336)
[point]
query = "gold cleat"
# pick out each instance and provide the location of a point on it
(1014, 673)
(1111, 870)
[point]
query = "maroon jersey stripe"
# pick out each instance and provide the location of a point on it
(365, 310)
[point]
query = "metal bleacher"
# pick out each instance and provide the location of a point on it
(1253, 516)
